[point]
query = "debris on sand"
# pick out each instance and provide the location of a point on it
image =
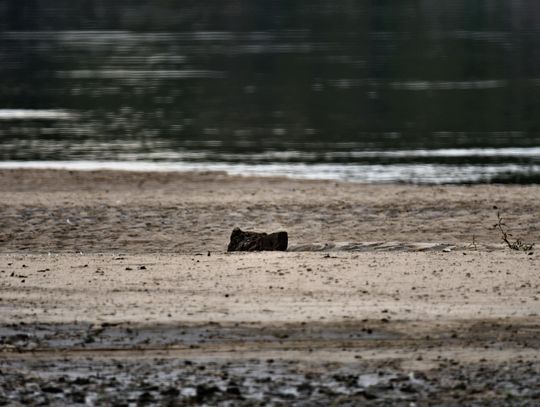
(253, 241)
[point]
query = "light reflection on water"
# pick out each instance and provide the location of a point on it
(409, 92)
(416, 173)
(35, 114)
(128, 74)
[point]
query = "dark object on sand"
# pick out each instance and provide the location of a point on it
(252, 241)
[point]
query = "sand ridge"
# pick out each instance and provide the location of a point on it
(93, 212)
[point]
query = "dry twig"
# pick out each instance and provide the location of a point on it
(518, 244)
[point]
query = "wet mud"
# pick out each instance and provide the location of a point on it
(368, 363)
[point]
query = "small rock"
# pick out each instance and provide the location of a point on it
(171, 391)
(52, 389)
(81, 381)
(235, 391)
(253, 241)
(408, 388)
(146, 398)
(204, 392)
(368, 395)
(78, 397)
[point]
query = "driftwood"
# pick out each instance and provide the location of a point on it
(253, 241)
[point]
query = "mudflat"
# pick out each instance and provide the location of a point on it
(115, 287)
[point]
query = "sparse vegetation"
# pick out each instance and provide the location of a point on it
(473, 244)
(517, 244)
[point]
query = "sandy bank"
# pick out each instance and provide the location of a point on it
(269, 287)
(92, 212)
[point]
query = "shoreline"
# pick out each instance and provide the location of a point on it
(362, 173)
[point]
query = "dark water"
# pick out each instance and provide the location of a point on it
(380, 90)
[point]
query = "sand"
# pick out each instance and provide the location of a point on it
(132, 266)
(94, 212)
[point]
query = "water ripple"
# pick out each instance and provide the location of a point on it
(35, 114)
(139, 74)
